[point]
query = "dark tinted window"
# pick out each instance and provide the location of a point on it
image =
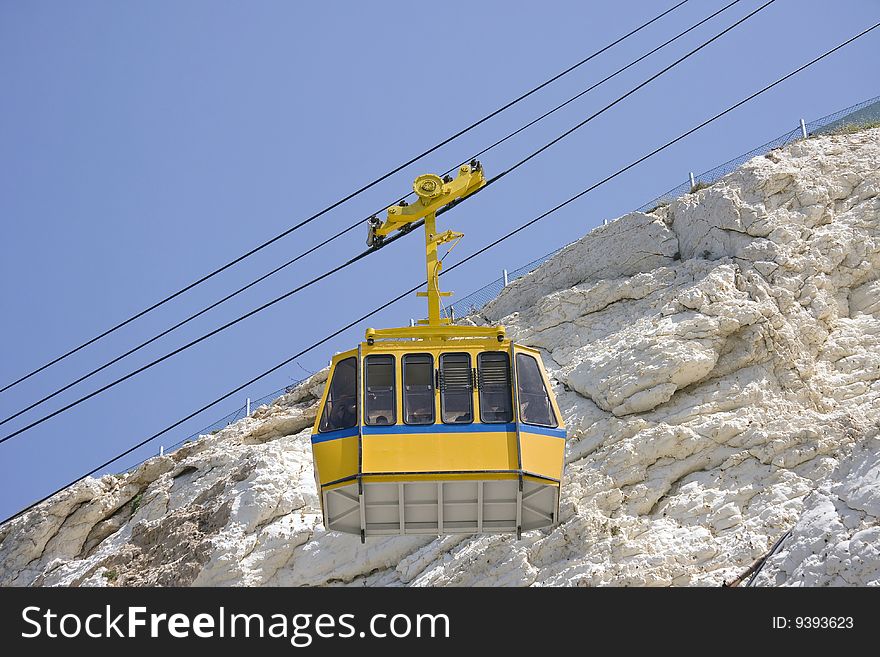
(456, 389)
(534, 403)
(493, 368)
(340, 411)
(379, 403)
(418, 389)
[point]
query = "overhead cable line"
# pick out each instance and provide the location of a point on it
(468, 258)
(627, 94)
(354, 225)
(375, 248)
(602, 81)
(344, 199)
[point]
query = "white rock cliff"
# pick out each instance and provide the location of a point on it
(718, 365)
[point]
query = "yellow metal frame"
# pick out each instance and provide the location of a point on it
(540, 454)
(433, 194)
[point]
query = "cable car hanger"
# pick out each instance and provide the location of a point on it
(434, 195)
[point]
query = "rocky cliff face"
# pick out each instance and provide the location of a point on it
(718, 365)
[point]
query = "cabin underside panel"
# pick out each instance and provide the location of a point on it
(457, 506)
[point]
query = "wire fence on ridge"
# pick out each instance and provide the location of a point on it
(225, 421)
(865, 113)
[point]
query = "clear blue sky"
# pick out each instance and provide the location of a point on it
(143, 144)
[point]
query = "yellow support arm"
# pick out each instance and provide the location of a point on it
(433, 194)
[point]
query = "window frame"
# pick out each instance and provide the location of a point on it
(509, 388)
(544, 387)
(434, 389)
(366, 387)
(330, 390)
(440, 388)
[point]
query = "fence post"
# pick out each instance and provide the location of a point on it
(803, 129)
(693, 181)
(248, 407)
(506, 281)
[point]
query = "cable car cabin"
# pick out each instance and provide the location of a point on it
(438, 440)
(437, 428)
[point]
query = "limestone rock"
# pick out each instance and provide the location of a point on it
(718, 366)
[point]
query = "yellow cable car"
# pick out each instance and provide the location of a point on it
(437, 428)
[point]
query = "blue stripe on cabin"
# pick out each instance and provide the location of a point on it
(474, 427)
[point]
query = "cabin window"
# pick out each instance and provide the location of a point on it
(418, 389)
(379, 405)
(340, 410)
(456, 389)
(493, 368)
(534, 402)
